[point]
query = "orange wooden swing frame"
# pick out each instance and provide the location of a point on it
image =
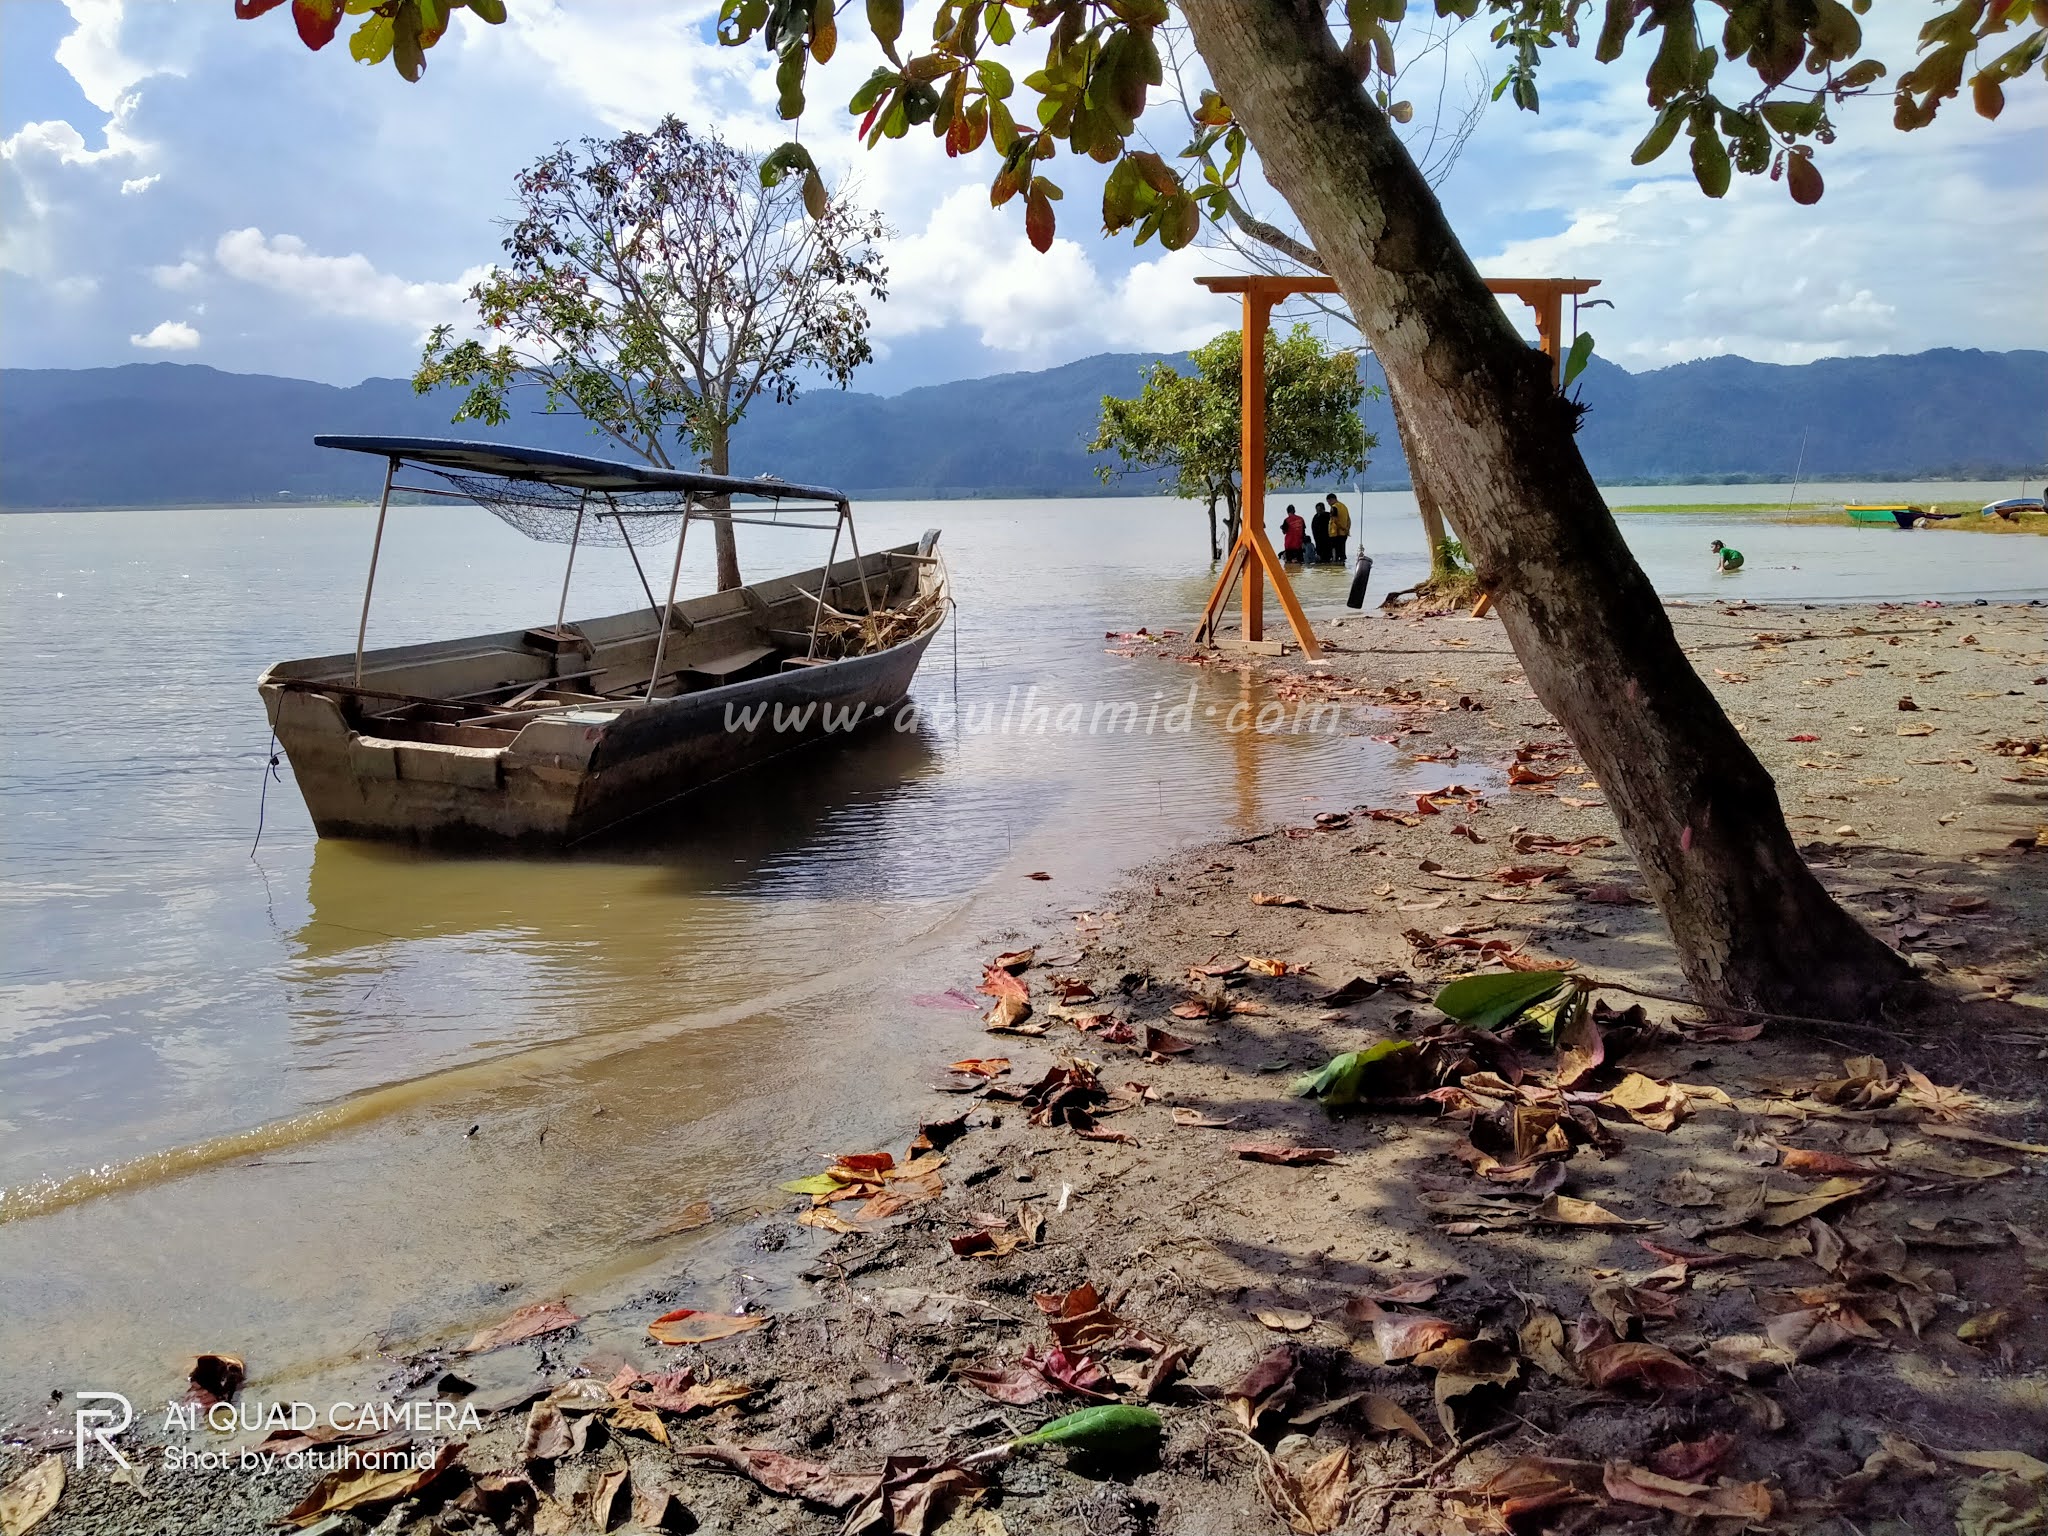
(1252, 557)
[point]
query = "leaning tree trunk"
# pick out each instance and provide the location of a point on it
(1433, 530)
(728, 550)
(1753, 927)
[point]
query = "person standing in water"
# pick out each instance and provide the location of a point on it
(1292, 528)
(1731, 559)
(1319, 534)
(1340, 529)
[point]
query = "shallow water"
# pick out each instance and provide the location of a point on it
(234, 1090)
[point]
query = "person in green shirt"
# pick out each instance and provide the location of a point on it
(1731, 559)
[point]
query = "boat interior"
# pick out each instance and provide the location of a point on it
(474, 692)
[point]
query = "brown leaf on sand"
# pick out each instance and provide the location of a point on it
(1389, 1417)
(1784, 1208)
(825, 1219)
(1813, 1331)
(986, 1067)
(351, 1488)
(1195, 1120)
(1400, 1335)
(1268, 1387)
(681, 1392)
(1159, 1043)
(1564, 1211)
(692, 1216)
(1285, 1319)
(1017, 1383)
(1725, 1500)
(529, 1322)
(1580, 1047)
(1262, 899)
(31, 1496)
(1806, 1160)
(1464, 1366)
(913, 1495)
(1660, 1106)
(811, 1481)
(1542, 1340)
(1283, 1154)
(1643, 1367)
(1013, 960)
(1315, 1500)
(1529, 1485)
(1693, 1459)
(686, 1325)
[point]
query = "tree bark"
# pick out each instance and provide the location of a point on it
(1752, 925)
(1433, 530)
(1215, 549)
(728, 549)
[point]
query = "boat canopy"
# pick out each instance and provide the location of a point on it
(570, 471)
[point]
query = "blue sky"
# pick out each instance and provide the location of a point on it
(176, 185)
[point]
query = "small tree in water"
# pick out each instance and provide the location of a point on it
(656, 286)
(1188, 422)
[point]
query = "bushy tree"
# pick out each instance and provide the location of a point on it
(653, 283)
(1188, 422)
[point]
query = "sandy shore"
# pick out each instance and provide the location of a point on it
(1635, 1303)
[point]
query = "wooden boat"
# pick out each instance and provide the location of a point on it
(2015, 507)
(546, 736)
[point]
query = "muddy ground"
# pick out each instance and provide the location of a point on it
(1801, 1290)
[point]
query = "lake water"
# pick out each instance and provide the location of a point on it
(237, 1090)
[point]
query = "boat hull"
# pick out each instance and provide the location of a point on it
(566, 774)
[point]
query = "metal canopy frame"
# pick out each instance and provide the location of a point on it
(1252, 555)
(607, 479)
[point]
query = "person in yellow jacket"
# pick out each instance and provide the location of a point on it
(1340, 529)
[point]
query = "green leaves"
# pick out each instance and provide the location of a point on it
(1710, 166)
(1495, 998)
(1660, 136)
(1113, 1429)
(1575, 360)
(1345, 1079)
(786, 158)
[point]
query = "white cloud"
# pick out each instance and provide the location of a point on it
(136, 184)
(344, 285)
(169, 336)
(971, 265)
(176, 275)
(92, 54)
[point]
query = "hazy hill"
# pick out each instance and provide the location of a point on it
(171, 433)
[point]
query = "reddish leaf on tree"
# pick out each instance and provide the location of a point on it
(1038, 219)
(316, 20)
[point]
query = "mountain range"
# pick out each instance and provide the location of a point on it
(170, 434)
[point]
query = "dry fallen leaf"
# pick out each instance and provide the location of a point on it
(1567, 1212)
(1283, 1154)
(1285, 1319)
(685, 1325)
(1725, 1500)
(351, 1488)
(31, 1496)
(529, 1322)
(1316, 1500)
(1195, 1120)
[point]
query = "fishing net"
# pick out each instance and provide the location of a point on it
(548, 513)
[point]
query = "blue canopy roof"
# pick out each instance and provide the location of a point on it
(576, 471)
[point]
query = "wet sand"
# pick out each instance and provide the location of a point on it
(1930, 822)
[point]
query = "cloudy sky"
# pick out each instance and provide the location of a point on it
(176, 185)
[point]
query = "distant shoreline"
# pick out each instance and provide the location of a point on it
(2028, 475)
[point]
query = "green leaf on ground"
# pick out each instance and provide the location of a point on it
(1496, 998)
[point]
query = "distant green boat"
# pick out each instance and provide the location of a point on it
(1897, 514)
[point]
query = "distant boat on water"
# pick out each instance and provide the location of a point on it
(1896, 513)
